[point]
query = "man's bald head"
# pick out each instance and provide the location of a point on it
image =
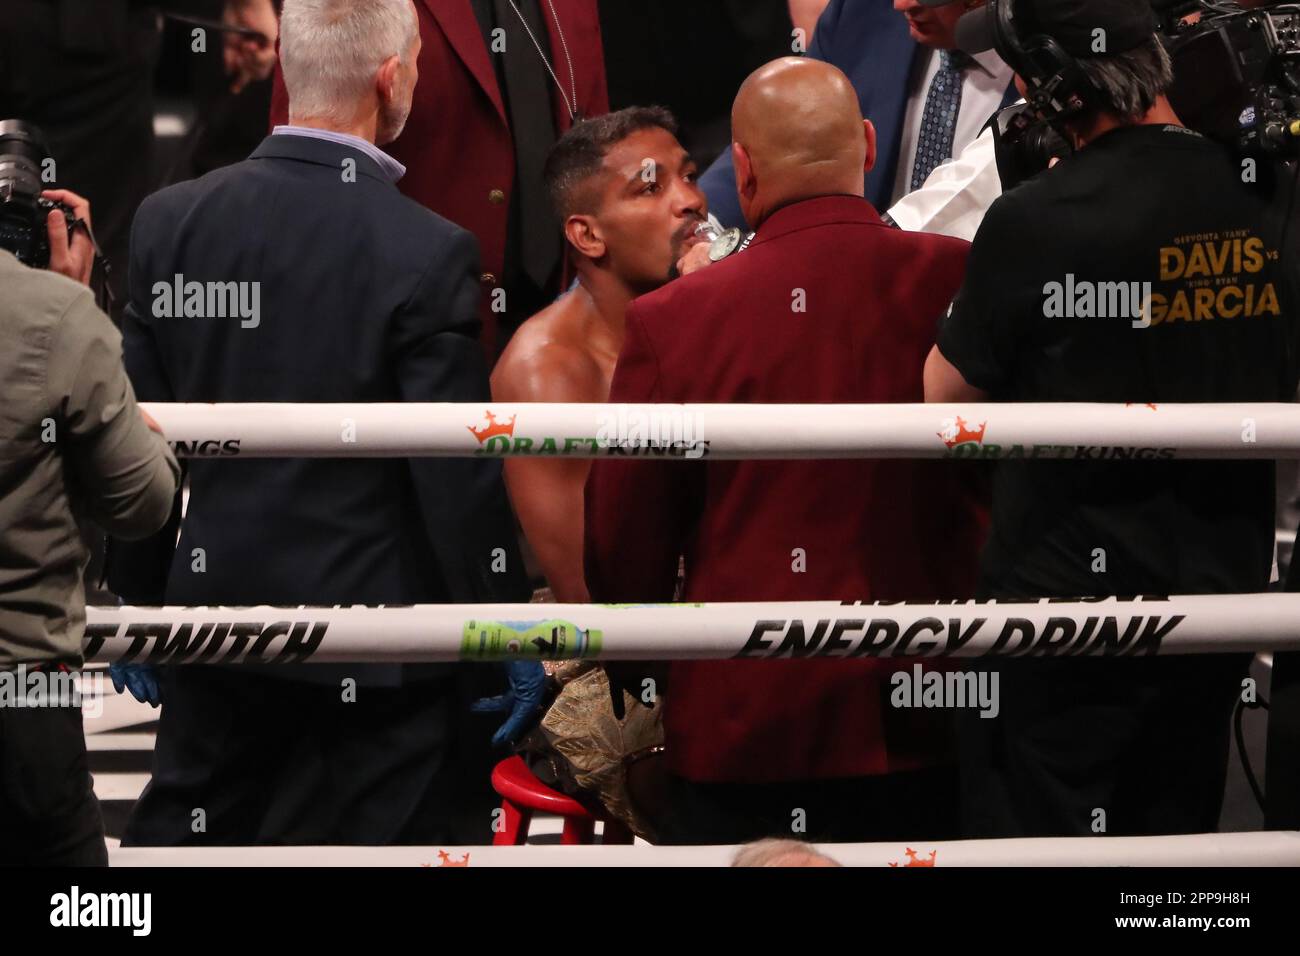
(798, 133)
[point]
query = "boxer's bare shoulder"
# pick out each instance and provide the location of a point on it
(552, 357)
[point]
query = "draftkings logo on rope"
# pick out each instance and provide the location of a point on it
(956, 431)
(209, 448)
(914, 860)
(621, 433)
(966, 440)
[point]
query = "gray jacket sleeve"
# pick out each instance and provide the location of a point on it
(125, 473)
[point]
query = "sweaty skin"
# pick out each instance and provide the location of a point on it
(798, 133)
(636, 231)
(565, 353)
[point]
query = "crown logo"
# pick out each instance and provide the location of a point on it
(445, 860)
(493, 427)
(914, 860)
(956, 431)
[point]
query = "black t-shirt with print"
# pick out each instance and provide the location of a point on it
(1052, 311)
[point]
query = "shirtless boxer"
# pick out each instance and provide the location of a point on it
(625, 192)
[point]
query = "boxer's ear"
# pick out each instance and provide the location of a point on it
(584, 234)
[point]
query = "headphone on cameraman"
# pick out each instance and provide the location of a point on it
(1056, 87)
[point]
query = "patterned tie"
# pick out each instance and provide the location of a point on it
(939, 121)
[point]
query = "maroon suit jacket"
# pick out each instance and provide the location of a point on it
(457, 146)
(888, 529)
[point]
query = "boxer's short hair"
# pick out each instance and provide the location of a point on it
(580, 154)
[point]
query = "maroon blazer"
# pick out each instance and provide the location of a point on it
(890, 529)
(457, 146)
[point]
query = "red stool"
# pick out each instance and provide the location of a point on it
(522, 794)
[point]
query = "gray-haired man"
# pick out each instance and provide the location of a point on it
(364, 296)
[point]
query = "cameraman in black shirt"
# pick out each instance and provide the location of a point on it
(1143, 268)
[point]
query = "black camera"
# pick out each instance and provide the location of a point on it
(23, 158)
(1236, 80)
(1237, 74)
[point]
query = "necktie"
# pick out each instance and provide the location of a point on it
(939, 120)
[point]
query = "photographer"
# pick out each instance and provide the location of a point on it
(1144, 268)
(75, 448)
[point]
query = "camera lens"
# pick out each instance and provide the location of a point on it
(22, 218)
(22, 151)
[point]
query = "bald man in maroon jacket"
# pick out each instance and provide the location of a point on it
(757, 748)
(483, 80)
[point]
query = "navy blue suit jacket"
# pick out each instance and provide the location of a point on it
(366, 296)
(870, 42)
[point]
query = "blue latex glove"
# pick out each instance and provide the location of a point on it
(523, 701)
(140, 679)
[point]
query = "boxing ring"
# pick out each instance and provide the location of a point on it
(1107, 627)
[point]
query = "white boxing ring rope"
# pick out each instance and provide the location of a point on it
(1272, 848)
(1107, 627)
(787, 630)
(1049, 431)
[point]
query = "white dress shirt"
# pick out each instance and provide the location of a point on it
(984, 86)
(953, 201)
